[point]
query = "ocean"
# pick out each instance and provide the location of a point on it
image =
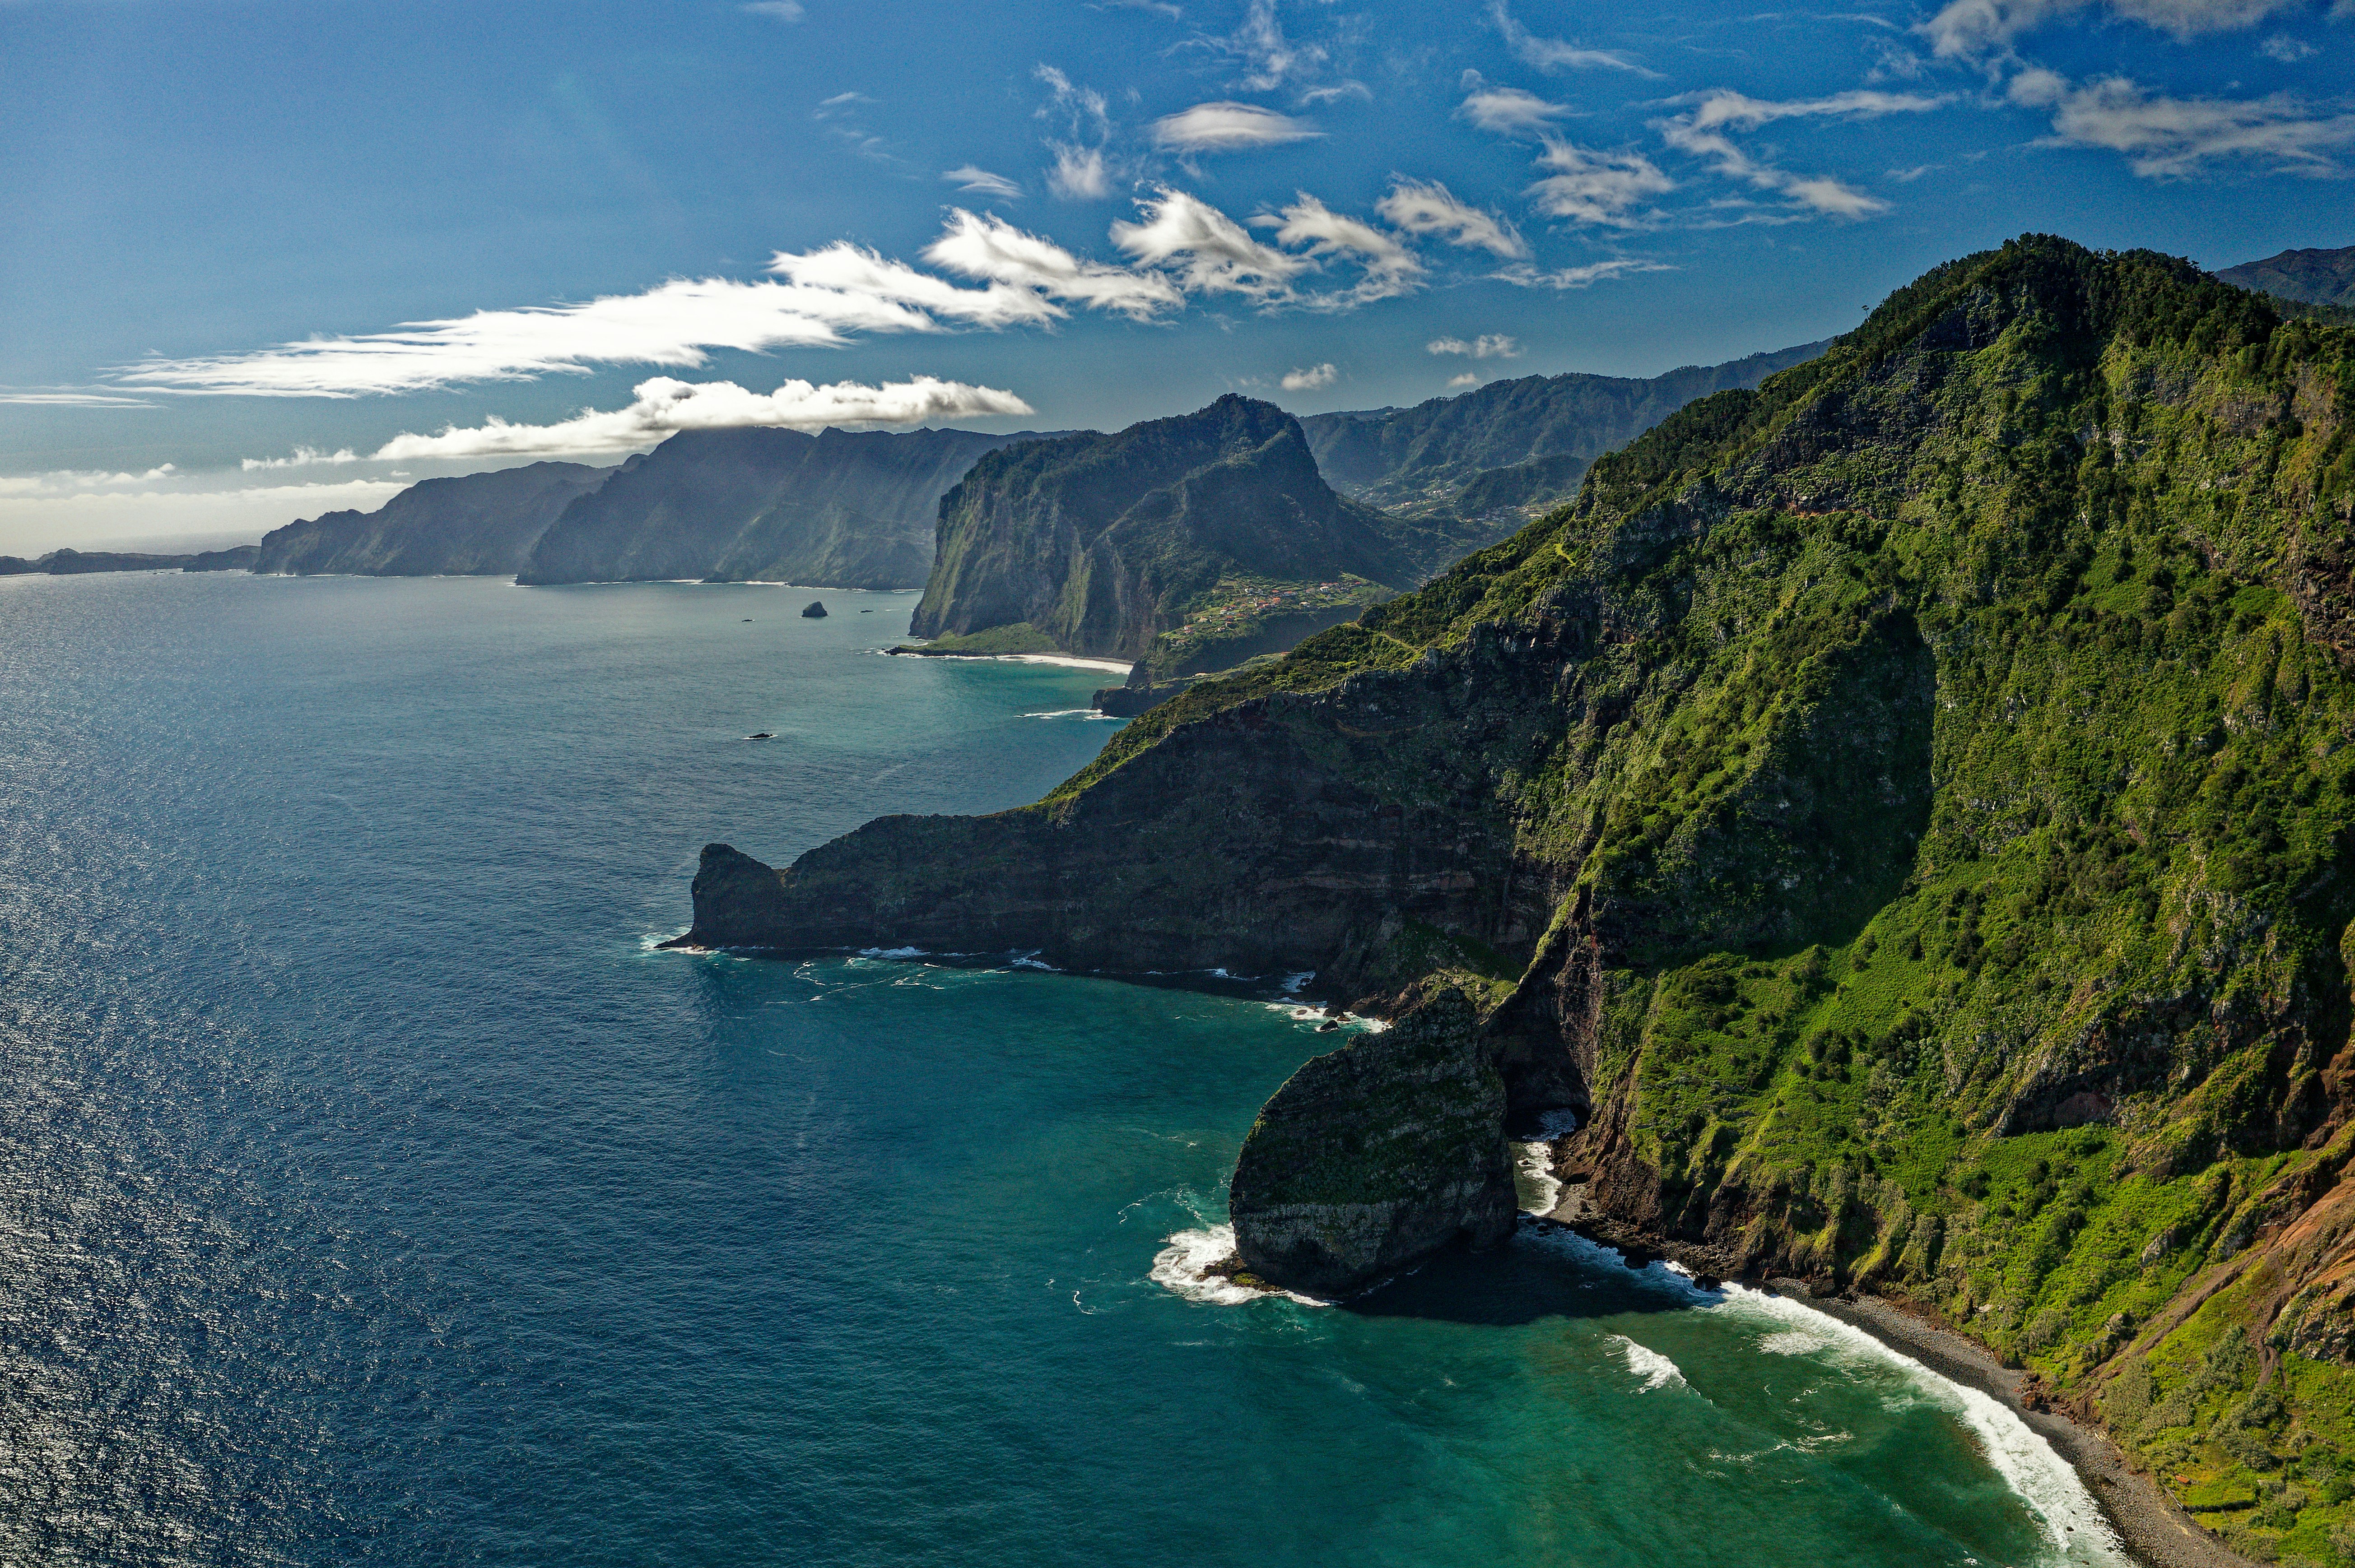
(372, 1190)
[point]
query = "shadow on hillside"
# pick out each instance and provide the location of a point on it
(1544, 1271)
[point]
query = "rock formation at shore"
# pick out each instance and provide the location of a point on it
(1907, 808)
(77, 562)
(839, 509)
(479, 525)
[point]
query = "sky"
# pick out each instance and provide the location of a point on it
(264, 261)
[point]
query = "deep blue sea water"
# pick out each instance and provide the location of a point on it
(372, 1191)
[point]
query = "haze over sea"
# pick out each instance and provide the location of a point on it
(370, 1191)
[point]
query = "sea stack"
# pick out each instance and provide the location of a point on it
(814, 610)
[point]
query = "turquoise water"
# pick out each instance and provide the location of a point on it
(372, 1191)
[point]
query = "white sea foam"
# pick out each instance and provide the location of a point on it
(1030, 961)
(1292, 984)
(1186, 1266)
(1534, 1178)
(892, 953)
(1068, 713)
(1656, 1371)
(2053, 1491)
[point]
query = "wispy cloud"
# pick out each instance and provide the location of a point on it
(76, 399)
(1509, 112)
(1490, 346)
(1426, 206)
(1975, 29)
(664, 406)
(2288, 50)
(78, 481)
(981, 182)
(1584, 277)
(1079, 174)
(1703, 133)
(1554, 54)
(1592, 185)
(781, 10)
(1312, 379)
(1081, 170)
(1227, 127)
(2177, 138)
(991, 248)
(1207, 251)
(1469, 379)
(302, 457)
(1388, 268)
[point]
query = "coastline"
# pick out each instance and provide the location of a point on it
(1069, 661)
(2151, 1527)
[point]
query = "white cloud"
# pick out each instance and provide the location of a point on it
(58, 482)
(2175, 138)
(1315, 95)
(1214, 253)
(1080, 173)
(1585, 277)
(1271, 58)
(76, 401)
(664, 406)
(1228, 127)
(981, 182)
(1553, 54)
(1420, 206)
(1973, 29)
(1702, 132)
(1390, 268)
(1082, 108)
(992, 248)
(302, 457)
(1314, 378)
(2281, 46)
(782, 10)
(1509, 112)
(1592, 186)
(1469, 379)
(1490, 346)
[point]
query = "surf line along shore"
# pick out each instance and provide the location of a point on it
(2151, 1526)
(1069, 661)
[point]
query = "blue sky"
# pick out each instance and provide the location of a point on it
(618, 220)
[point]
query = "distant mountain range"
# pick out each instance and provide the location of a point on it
(77, 562)
(2313, 277)
(1511, 448)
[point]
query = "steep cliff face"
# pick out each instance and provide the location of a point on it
(479, 525)
(1511, 445)
(1909, 806)
(1212, 531)
(837, 509)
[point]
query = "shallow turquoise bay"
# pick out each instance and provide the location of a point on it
(372, 1191)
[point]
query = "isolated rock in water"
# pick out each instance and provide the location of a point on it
(814, 610)
(1379, 1154)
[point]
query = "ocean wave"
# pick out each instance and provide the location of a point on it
(1190, 1267)
(2054, 1493)
(893, 953)
(1294, 982)
(1068, 713)
(1656, 1371)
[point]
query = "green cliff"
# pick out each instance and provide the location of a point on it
(1187, 544)
(1906, 809)
(477, 524)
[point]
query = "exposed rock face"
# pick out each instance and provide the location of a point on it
(814, 610)
(1212, 528)
(236, 558)
(1511, 445)
(839, 509)
(1373, 1157)
(479, 525)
